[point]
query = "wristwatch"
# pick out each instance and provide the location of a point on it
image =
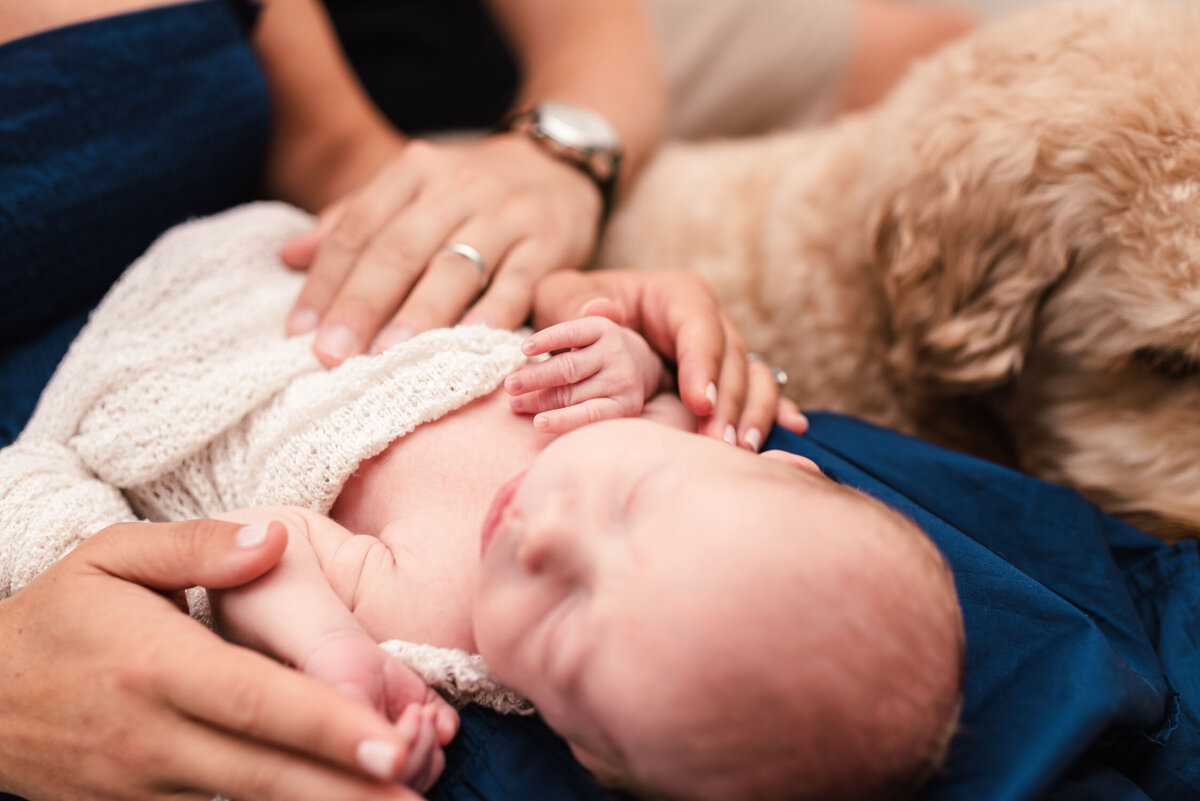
(578, 136)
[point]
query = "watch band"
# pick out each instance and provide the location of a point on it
(601, 164)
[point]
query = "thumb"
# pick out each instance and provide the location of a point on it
(175, 556)
(568, 294)
(299, 251)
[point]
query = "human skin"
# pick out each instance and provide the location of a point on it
(159, 706)
(401, 561)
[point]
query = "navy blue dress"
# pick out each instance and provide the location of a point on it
(111, 132)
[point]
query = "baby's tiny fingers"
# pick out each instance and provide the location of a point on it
(577, 333)
(562, 370)
(418, 771)
(560, 421)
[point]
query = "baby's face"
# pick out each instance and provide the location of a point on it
(627, 552)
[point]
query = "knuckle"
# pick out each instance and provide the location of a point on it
(394, 248)
(568, 370)
(562, 397)
(246, 706)
(355, 307)
(521, 207)
(263, 781)
(352, 231)
(418, 152)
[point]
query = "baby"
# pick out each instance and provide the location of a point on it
(698, 621)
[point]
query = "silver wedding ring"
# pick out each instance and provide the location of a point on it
(781, 377)
(472, 255)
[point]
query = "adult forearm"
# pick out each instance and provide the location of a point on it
(597, 53)
(327, 138)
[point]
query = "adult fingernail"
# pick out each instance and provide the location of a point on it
(337, 341)
(754, 439)
(377, 757)
(730, 434)
(394, 336)
(251, 536)
(302, 321)
(710, 392)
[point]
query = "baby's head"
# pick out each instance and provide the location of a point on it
(701, 622)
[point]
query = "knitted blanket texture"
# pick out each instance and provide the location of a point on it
(182, 398)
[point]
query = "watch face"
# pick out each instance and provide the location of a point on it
(576, 127)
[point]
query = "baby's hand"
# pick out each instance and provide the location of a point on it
(352, 663)
(609, 372)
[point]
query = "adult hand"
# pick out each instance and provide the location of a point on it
(107, 690)
(376, 260)
(736, 398)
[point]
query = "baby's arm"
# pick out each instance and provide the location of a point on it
(607, 371)
(300, 612)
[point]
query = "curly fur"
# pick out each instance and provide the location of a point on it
(1004, 256)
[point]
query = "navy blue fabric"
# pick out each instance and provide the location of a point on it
(1083, 665)
(428, 64)
(112, 131)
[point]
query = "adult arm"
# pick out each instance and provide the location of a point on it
(108, 689)
(375, 261)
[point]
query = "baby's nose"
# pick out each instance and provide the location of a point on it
(548, 538)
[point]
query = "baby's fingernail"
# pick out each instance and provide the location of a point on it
(528, 346)
(474, 319)
(378, 758)
(252, 536)
(541, 423)
(710, 392)
(731, 434)
(754, 439)
(302, 321)
(513, 385)
(337, 341)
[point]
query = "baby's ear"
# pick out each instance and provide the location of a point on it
(801, 462)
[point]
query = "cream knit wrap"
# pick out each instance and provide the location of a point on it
(182, 398)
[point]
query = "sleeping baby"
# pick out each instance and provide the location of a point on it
(697, 621)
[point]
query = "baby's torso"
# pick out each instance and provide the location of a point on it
(426, 496)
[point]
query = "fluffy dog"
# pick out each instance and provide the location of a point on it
(1003, 256)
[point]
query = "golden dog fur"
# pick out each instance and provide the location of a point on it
(1003, 256)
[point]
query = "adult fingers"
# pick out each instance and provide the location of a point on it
(244, 692)
(731, 386)
(299, 251)
(509, 297)
(175, 556)
(212, 761)
(383, 276)
(683, 321)
(762, 398)
(789, 416)
(360, 220)
(452, 280)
